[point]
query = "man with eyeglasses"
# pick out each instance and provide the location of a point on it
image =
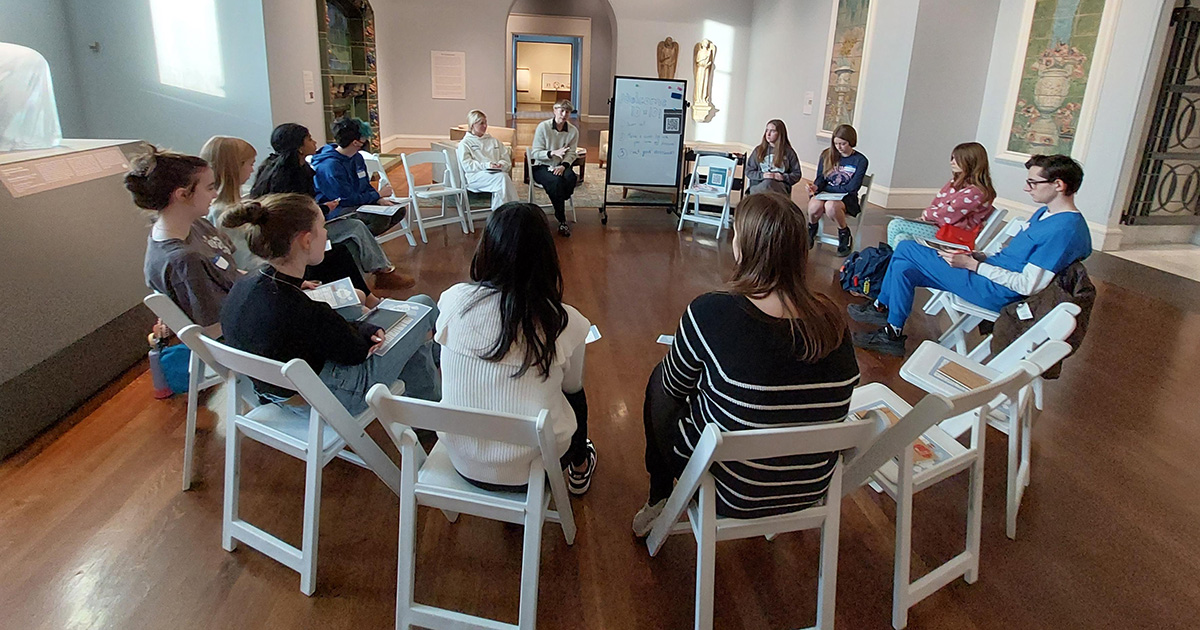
(1055, 236)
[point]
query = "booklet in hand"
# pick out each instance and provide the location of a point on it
(944, 247)
(336, 294)
(829, 196)
(386, 211)
(397, 318)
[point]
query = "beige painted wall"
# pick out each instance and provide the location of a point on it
(541, 58)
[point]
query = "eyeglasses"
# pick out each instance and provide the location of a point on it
(1030, 183)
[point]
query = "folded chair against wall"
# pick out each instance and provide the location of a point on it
(200, 376)
(695, 495)
(431, 480)
(709, 165)
(830, 238)
(442, 189)
(922, 369)
(315, 435)
(916, 454)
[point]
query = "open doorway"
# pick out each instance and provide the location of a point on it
(546, 69)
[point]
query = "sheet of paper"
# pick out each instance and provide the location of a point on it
(593, 334)
(666, 340)
(336, 294)
(830, 196)
(386, 211)
(449, 74)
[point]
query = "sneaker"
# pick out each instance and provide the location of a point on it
(578, 482)
(882, 340)
(643, 521)
(844, 242)
(812, 234)
(564, 229)
(867, 314)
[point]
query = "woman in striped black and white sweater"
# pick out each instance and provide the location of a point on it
(766, 352)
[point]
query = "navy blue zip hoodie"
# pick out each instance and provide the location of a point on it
(344, 178)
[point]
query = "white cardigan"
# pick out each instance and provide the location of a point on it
(467, 326)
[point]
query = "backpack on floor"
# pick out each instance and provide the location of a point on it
(862, 273)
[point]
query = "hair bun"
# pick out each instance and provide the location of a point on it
(246, 212)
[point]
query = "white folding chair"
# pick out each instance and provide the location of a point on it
(375, 167)
(921, 369)
(458, 179)
(891, 466)
(534, 185)
(316, 437)
(708, 165)
(200, 376)
(830, 238)
(439, 160)
(964, 315)
(432, 481)
(696, 482)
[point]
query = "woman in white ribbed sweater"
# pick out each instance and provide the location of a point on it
(509, 344)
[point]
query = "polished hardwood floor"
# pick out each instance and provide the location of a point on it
(94, 532)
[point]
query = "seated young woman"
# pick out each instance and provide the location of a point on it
(765, 352)
(287, 171)
(267, 314)
(510, 344)
(187, 259)
(485, 161)
(773, 166)
(965, 201)
(232, 162)
(840, 170)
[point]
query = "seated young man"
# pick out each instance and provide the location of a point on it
(1055, 236)
(341, 175)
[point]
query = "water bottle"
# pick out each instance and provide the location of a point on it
(161, 388)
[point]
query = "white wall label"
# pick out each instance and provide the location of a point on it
(808, 103)
(56, 171)
(449, 74)
(310, 88)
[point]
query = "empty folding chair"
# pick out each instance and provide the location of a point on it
(200, 376)
(695, 494)
(315, 435)
(718, 184)
(924, 369)
(916, 454)
(440, 162)
(404, 228)
(431, 480)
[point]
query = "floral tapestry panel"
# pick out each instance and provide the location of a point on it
(845, 63)
(1054, 76)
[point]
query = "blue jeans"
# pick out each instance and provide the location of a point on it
(914, 265)
(410, 360)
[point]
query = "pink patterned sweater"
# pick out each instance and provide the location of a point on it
(961, 207)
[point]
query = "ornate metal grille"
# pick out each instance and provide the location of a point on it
(1167, 189)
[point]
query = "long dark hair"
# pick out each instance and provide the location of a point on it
(284, 163)
(830, 158)
(767, 227)
(516, 258)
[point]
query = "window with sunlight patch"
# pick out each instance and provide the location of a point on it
(187, 45)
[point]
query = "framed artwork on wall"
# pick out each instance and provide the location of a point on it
(850, 31)
(1057, 77)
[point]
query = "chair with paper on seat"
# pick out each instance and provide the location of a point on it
(431, 480)
(916, 454)
(922, 370)
(440, 162)
(718, 184)
(695, 494)
(200, 376)
(830, 238)
(315, 435)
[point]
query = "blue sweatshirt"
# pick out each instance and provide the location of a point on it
(344, 178)
(846, 177)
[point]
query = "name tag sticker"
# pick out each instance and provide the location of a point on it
(221, 263)
(1024, 312)
(362, 174)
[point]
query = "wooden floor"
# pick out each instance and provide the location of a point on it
(94, 532)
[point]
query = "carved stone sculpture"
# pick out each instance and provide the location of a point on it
(705, 55)
(668, 54)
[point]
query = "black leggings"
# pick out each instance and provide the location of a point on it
(559, 188)
(339, 263)
(576, 453)
(660, 415)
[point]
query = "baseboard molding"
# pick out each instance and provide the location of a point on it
(410, 140)
(1104, 238)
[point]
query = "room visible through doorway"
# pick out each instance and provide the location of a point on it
(546, 69)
